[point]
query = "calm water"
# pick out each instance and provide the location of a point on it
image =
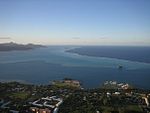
(40, 66)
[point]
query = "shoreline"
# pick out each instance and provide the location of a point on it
(101, 86)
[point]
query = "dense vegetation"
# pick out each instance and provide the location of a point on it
(75, 100)
(98, 102)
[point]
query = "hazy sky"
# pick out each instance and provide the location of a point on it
(100, 22)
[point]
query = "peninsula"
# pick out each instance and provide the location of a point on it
(130, 53)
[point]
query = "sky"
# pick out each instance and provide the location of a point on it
(75, 22)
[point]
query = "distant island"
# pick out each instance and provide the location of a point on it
(14, 46)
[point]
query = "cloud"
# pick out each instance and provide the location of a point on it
(5, 38)
(103, 37)
(76, 38)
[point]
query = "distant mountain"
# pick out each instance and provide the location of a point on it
(14, 46)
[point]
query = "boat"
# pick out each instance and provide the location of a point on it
(120, 67)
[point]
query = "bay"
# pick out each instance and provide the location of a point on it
(40, 66)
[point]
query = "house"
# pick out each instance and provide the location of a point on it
(40, 110)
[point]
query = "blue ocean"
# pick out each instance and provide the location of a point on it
(91, 65)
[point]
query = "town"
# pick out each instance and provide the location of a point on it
(68, 96)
